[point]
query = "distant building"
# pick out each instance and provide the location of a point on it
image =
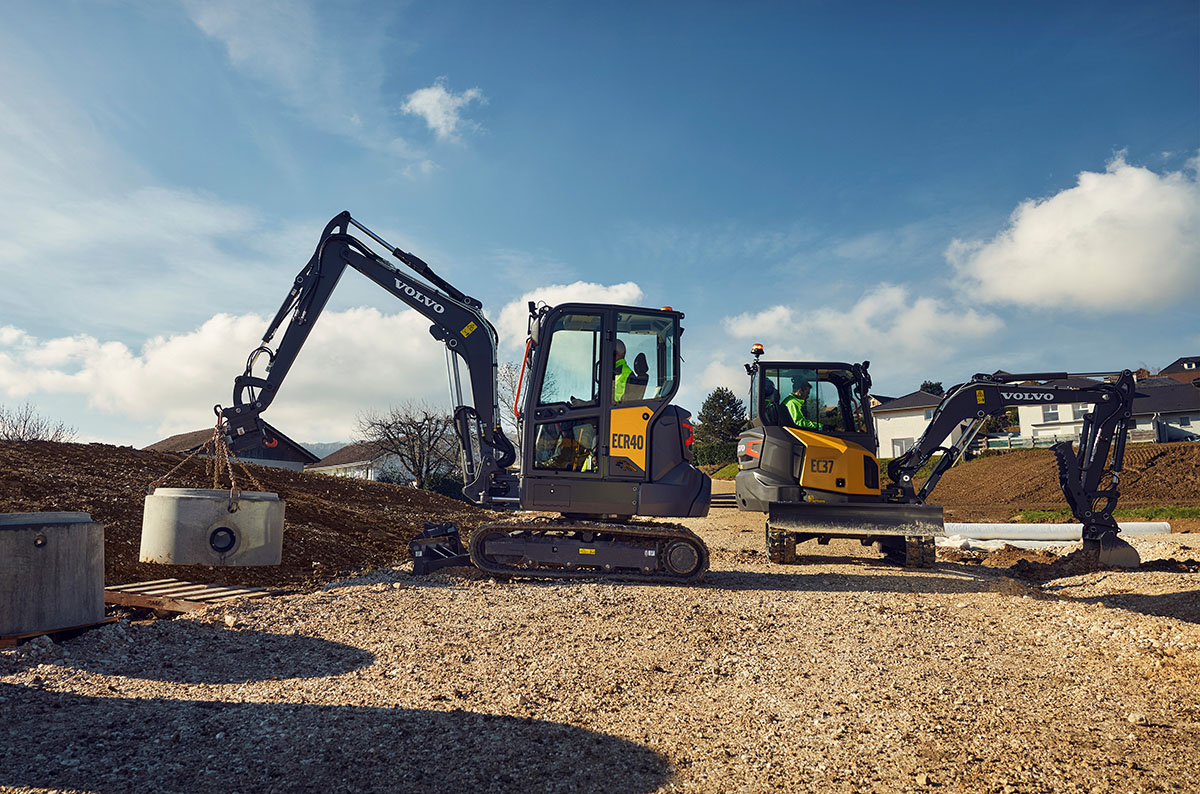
(285, 454)
(1167, 411)
(363, 460)
(1184, 370)
(1061, 420)
(900, 422)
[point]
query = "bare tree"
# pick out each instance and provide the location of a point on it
(420, 437)
(508, 376)
(25, 424)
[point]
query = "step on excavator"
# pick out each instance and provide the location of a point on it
(809, 459)
(602, 441)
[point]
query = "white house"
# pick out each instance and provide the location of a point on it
(362, 460)
(1167, 411)
(900, 422)
(1062, 420)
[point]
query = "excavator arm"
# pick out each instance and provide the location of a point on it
(1088, 480)
(458, 322)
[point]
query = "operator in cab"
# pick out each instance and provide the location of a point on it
(621, 371)
(794, 404)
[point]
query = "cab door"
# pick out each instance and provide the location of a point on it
(562, 443)
(643, 359)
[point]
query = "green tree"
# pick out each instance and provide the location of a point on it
(722, 417)
(932, 387)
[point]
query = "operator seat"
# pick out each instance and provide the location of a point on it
(635, 387)
(770, 403)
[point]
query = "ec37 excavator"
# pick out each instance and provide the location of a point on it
(603, 442)
(809, 458)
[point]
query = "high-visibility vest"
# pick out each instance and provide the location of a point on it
(795, 409)
(621, 378)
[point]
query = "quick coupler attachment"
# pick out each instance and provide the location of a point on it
(439, 546)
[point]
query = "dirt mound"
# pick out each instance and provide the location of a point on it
(333, 525)
(1041, 565)
(997, 487)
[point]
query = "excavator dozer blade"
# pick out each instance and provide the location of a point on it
(856, 519)
(1112, 551)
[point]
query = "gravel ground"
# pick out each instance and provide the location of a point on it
(842, 674)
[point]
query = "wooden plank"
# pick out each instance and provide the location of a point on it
(152, 602)
(235, 597)
(173, 591)
(199, 592)
(138, 585)
(164, 589)
(9, 640)
(174, 595)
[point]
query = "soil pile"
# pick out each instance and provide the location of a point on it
(996, 488)
(333, 525)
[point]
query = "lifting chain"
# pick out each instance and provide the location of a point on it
(218, 459)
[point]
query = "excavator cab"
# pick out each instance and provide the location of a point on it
(602, 437)
(810, 433)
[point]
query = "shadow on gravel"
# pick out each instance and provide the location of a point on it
(885, 578)
(56, 741)
(1183, 606)
(189, 652)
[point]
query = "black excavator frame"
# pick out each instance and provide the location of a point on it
(651, 475)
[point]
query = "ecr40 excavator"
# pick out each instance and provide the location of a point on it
(602, 440)
(809, 460)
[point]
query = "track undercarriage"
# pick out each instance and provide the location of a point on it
(564, 548)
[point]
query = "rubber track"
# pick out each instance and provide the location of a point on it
(662, 534)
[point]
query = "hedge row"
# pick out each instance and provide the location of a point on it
(719, 452)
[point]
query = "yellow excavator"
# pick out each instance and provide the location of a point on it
(809, 459)
(603, 442)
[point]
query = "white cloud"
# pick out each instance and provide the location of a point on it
(771, 323)
(353, 361)
(513, 319)
(1127, 238)
(887, 325)
(286, 46)
(442, 109)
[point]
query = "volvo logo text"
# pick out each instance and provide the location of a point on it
(1031, 396)
(412, 293)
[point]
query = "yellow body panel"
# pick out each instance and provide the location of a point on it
(828, 460)
(627, 435)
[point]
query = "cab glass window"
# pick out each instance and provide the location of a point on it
(644, 357)
(567, 445)
(815, 399)
(573, 361)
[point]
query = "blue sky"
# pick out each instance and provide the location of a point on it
(941, 188)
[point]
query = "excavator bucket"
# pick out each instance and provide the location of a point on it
(1111, 551)
(856, 519)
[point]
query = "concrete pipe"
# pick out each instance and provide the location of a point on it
(195, 526)
(1061, 532)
